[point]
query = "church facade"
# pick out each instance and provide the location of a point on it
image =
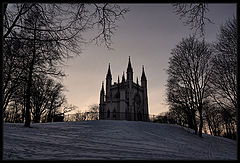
(125, 100)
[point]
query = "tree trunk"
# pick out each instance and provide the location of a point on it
(29, 85)
(37, 115)
(201, 120)
(49, 116)
(36, 118)
(209, 125)
(190, 121)
(194, 122)
(210, 129)
(23, 114)
(28, 96)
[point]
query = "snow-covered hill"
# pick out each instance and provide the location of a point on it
(108, 139)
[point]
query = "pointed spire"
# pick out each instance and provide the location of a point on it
(118, 85)
(143, 74)
(102, 87)
(137, 85)
(102, 94)
(129, 68)
(123, 77)
(109, 70)
(109, 75)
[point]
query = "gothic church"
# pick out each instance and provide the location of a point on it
(124, 100)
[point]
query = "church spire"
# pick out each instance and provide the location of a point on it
(102, 90)
(102, 94)
(109, 71)
(108, 83)
(143, 74)
(129, 69)
(123, 77)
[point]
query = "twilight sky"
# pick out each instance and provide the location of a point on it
(147, 34)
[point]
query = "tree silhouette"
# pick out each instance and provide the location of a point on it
(193, 15)
(47, 98)
(190, 68)
(50, 33)
(224, 77)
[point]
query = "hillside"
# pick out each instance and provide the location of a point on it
(108, 139)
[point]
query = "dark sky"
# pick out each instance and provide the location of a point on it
(147, 34)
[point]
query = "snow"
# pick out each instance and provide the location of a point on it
(109, 139)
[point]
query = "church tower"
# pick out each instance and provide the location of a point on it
(125, 100)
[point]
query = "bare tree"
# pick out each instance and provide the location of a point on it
(14, 71)
(47, 97)
(59, 112)
(93, 112)
(213, 117)
(53, 31)
(66, 23)
(193, 15)
(224, 78)
(80, 116)
(190, 66)
(68, 108)
(181, 101)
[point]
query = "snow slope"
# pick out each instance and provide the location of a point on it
(109, 139)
